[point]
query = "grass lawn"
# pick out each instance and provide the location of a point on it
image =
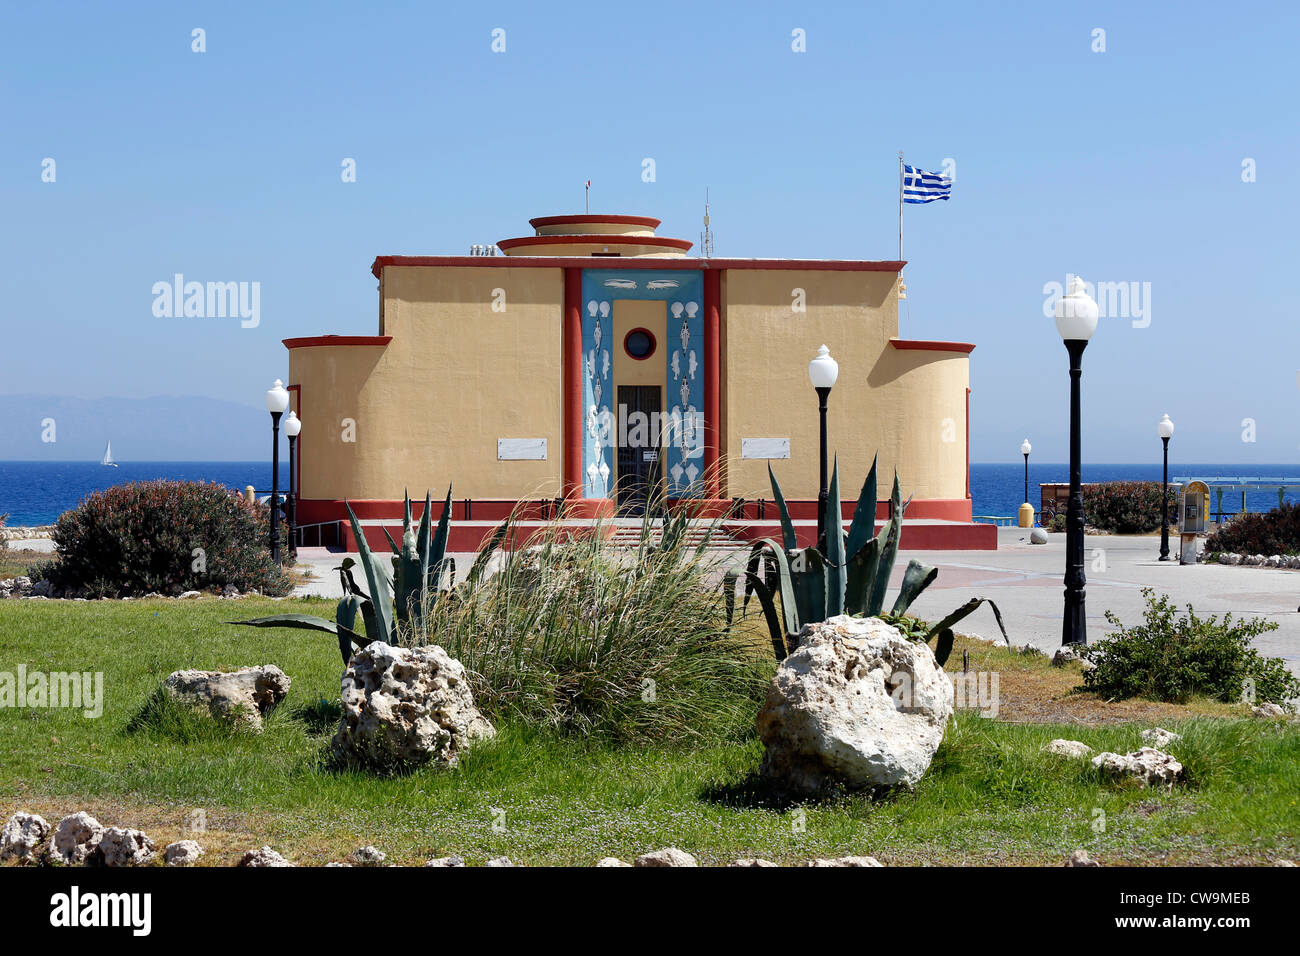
(991, 796)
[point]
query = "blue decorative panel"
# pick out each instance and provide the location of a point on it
(682, 290)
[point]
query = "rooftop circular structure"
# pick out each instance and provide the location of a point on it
(595, 234)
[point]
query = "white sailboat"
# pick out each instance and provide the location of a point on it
(108, 456)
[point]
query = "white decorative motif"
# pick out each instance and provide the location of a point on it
(694, 364)
(677, 365)
(691, 309)
(677, 474)
(686, 335)
(604, 310)
(596, 391)
(604, 363)
(691, 473)
(686, 392)
(597, 334)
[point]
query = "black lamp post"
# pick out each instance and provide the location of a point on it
(1076, 320)
(277, 400)
(1166, 430)
(822, 371)
(292, 426)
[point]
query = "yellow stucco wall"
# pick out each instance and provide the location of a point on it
(904, 405)
(430, 406)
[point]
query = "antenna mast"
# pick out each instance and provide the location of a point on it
(706, 237)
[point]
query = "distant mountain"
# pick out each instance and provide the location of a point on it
(164, 428)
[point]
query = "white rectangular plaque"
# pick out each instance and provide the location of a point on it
(765, 448)
(521, 449)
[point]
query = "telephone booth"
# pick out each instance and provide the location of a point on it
(1193, 518)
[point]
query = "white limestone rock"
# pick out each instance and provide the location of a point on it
(263, 856)
(446, 861)
(611, 861)
(856, 704)
(753, 862)
(1080, 858)
(23, 835)
(1146, 764)
(368, 856)
(667, 857)
(1159, 738)
(123, 846)
(75, 840)
(1068, 748)
(245, 695)
(1066, 654)
(1268, 711)
(406, 706)
(499, 861)
(182, 853)
(846, 861)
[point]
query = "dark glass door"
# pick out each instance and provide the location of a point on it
(639, 452)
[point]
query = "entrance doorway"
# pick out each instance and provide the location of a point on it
(640, 467)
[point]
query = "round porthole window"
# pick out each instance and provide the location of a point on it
(639, 343)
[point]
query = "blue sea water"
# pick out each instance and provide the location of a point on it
(36, 493)
(999, 489)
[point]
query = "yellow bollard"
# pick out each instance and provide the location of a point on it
(250, 494)
(1026, 515)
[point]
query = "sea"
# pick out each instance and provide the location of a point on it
(36, 493)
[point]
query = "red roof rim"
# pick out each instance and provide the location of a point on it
(596, 239)
(541, 221)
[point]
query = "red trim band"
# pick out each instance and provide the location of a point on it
(647, 262)
(915, 345)
(573, 416)
(541, 222)
(712, 380)
(315, 340)
(595, 239)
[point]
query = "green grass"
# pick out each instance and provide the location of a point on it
(991, 795)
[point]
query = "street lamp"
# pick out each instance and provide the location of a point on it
(1166, 429)
(277, 400)
(1026, 509)
(1076, 320)
(292, 426)
(822, 371)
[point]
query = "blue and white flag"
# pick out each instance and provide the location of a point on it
(920, 186)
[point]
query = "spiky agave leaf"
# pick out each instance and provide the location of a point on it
(380, 583)
(787, 526)
(943, 630)
(835, 577)
(916, 579)
(863, 527)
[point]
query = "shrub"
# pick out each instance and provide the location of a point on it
(1271, 532)
(630, 645)
(4, 542)
(1174, 658)
(1126, 507)
(142, 537)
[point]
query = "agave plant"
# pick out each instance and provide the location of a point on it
(852, 577)
(402, 595)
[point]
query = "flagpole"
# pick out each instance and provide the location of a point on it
(900, 205)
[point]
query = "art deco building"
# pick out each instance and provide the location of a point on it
(594, 361)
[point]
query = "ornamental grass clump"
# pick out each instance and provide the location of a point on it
(165, 537)
(623, 644)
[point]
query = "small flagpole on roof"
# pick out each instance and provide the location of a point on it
(902, 286)
(588, 196)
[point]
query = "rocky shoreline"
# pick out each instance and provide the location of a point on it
(26, 534)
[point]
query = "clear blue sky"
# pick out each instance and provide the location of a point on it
(1121, 166)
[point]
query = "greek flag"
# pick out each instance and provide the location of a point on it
(920, 186)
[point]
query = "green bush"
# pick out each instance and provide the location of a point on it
(1267, 533)
(1174, 658)
(4, 542)
(146, 537)
(628, 645)
(1126, 507)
